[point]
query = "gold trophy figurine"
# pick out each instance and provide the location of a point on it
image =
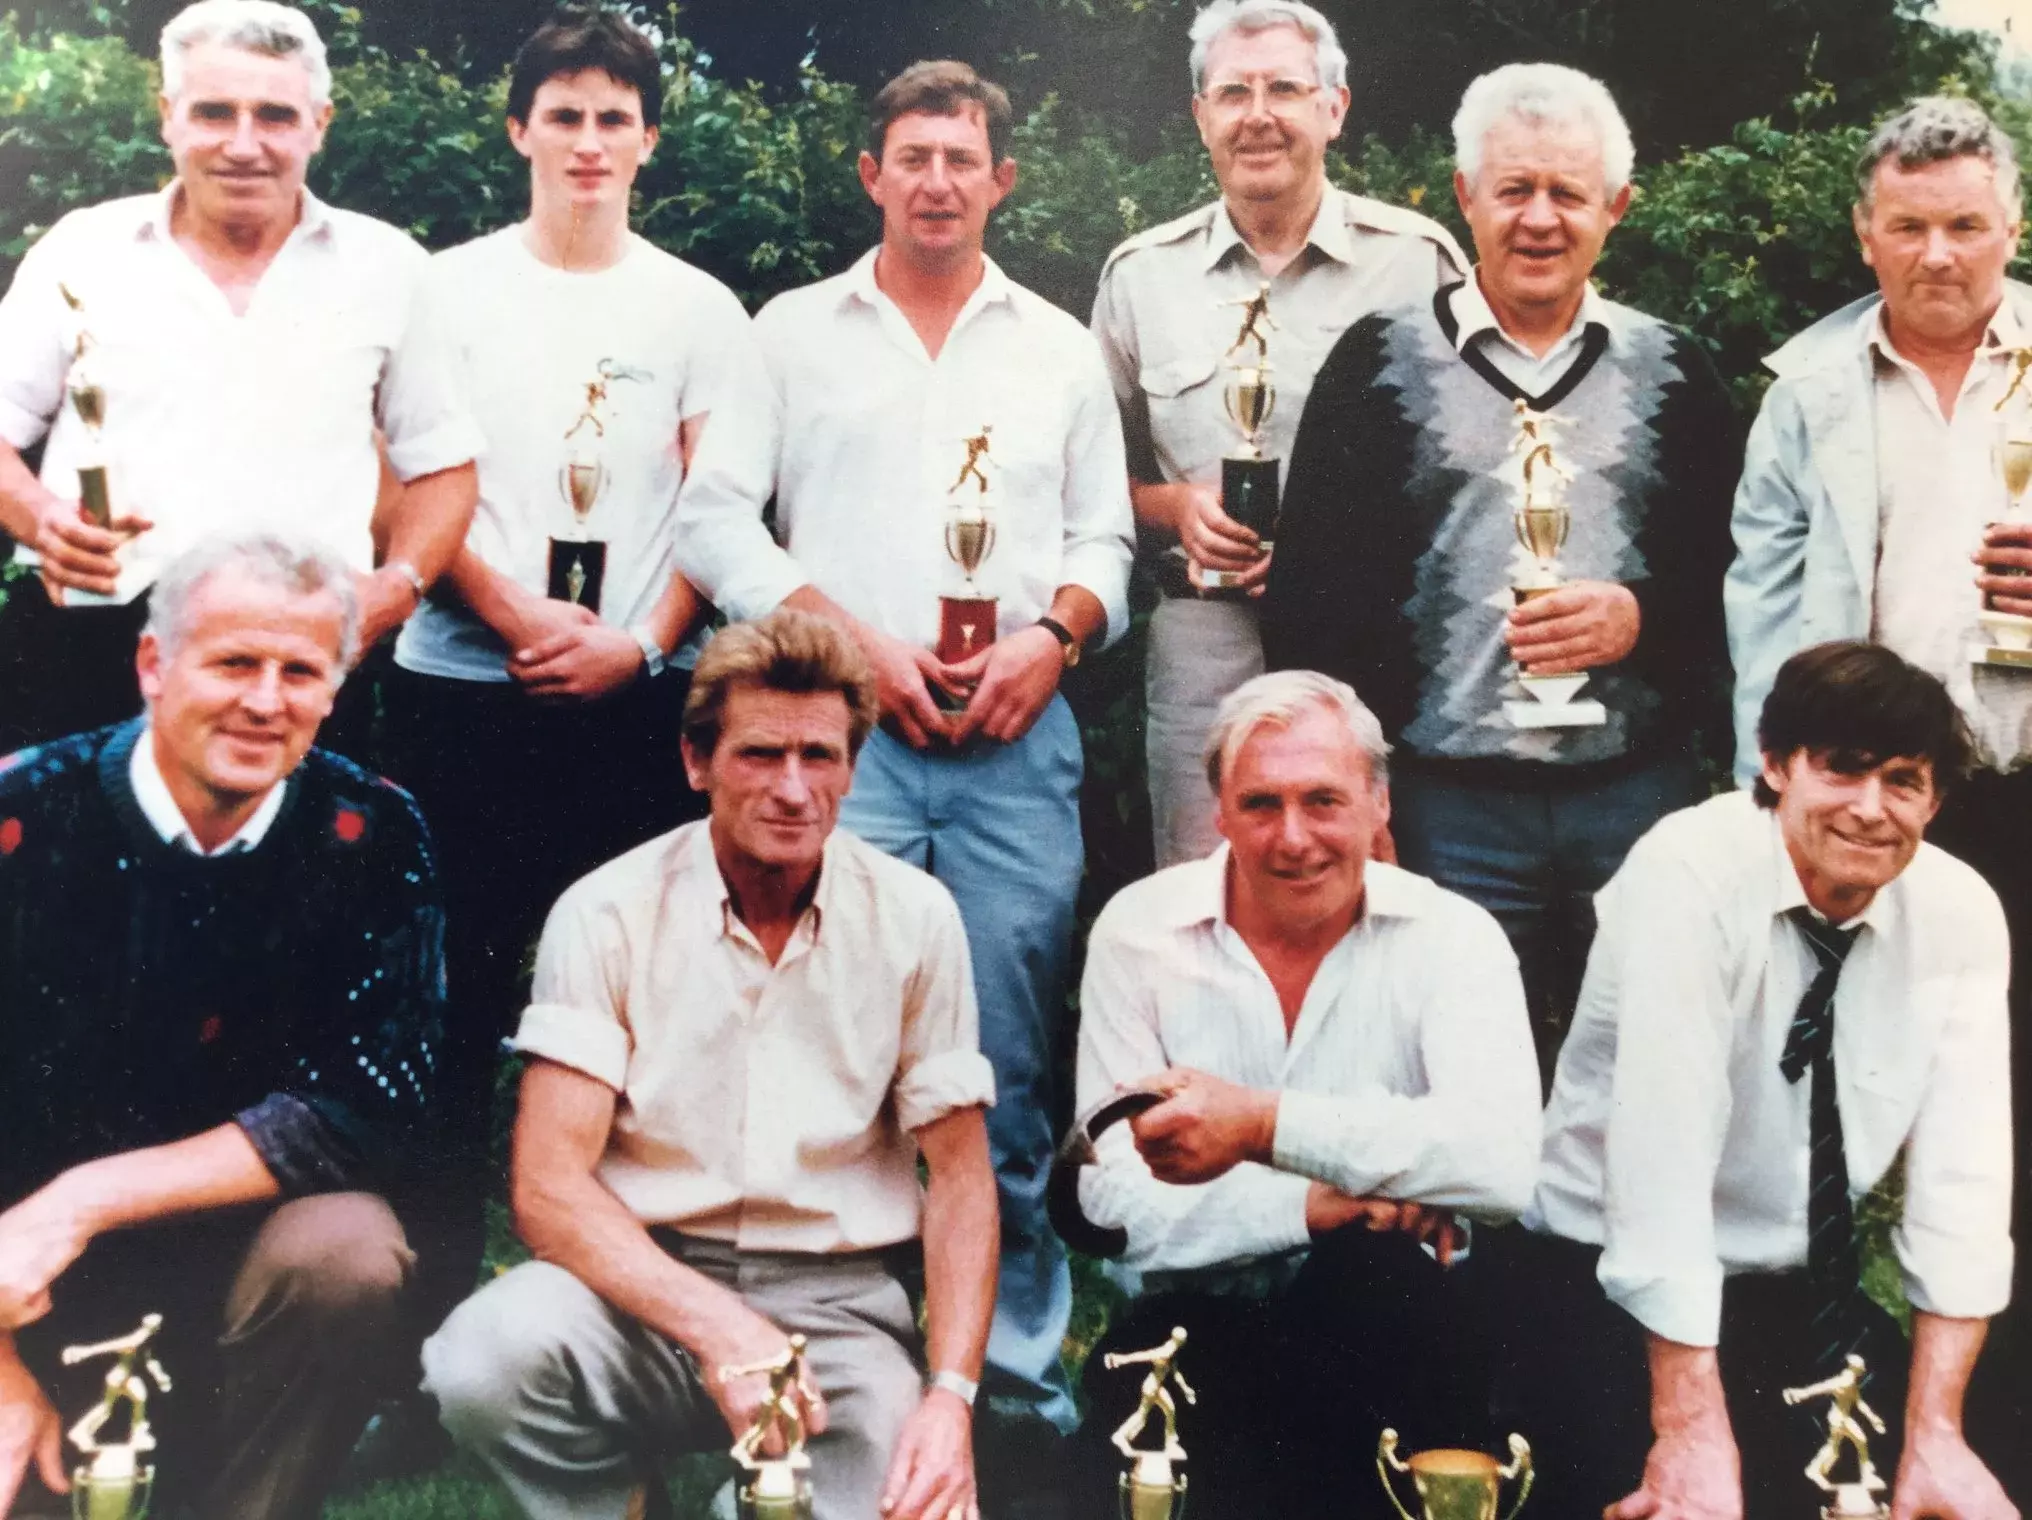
(1856, 1500)
(779, 1487)
(2009, 634)
(1249, 482)
(1150, 1490)
(1453, 1484)
(88, 400)
(113, 1484)
(1542, 520)
(966, 623)
(578, 564)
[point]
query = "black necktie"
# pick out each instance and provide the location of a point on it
(1841, 1310)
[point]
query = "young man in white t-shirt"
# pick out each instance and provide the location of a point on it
(536, 708)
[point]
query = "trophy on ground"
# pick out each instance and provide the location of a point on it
(113, 1483)
(1151, 1489)
(1249, 483)
(2010, 633)
(88, 399)
(1454, 1484)
(1542, 520)
(966, 623)
(578, 564)
(778, 1487)
(1857, 1499)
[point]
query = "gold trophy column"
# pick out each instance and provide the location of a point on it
(967, 622)
(778, 1487)
(578, 564)
(1542, 520)
(1151, 1489)
(113, 1483)
(88, 400)
(1856, 1499)
(1453, 1484)
(1250, 483)
(2009, 634)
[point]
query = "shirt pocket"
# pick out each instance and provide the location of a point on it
(1187, 421)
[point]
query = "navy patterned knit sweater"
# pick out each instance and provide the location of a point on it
(1396, 552)
(147, 993)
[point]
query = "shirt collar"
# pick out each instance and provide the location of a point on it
(2004, 334)
(1474, 316)
(861, 286)
(1196, 893)
(151, 793)
(1328, 233)
(314, 217)
(706, 864)
(1880, 915)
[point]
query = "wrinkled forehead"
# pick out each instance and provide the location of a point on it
(927, 131)
(1281, 50)
(221, 71)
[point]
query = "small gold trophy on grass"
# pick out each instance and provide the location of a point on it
(88, 399)
(778, 1487)
(578, 564)
(1454, 1484)
(1857, 1499)
(2010, 633)
(1249, 482)
(113, 1484)
(1542, 520)
(966, 623)
(1150, 1490)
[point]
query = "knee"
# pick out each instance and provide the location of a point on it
(338, 1259)
(490, 1359)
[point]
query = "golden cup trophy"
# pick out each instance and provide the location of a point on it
(1453, 1484)
(1152, 1489)
(966, 623)
(775, 1487)
(578, 564)
(1542, 520)
(1856, 1499)
(2010, 633)
(113, 1483)
(88, 400)
(1249, 482)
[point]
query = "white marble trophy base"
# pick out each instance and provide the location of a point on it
(1853, 1501)
(2010, 640)
(1552, 704)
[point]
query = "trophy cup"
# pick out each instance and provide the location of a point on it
(578, 565)
(113, 1484)
(966, 623)
(88, 399)
(779, 1487)
(1150, 1489)
(2010, 633)
(1857, 1499)
(1542, 520)
(1453, 1484)
(1248, 480)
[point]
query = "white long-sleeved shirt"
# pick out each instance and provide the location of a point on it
(1675, 1142)
(1409, 1073)
(872, 434)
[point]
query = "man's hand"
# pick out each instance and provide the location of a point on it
(1328, 1209)
(931, 1476)
(30, 1431)
(1693, 1473)
(743, 1338)
(1940, 1478)
(1204, 1127)
(1215, 541)
(904, 676)
(387, 598)
(2007, 547)
(1578, 627)
(39, 1237)
(582, 662)
(77, 552)
(1013, 680)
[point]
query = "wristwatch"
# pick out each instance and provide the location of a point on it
(411, 574)
(1069, 645)
(653, 657)
(957, 1383)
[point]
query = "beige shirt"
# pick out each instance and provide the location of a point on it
(1167, 313)
(1937, 486)
(768, 1106)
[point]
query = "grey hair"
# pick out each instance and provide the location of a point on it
(284, 561)
(1278, 699)
(253, 26)
(1542, 94)
(1249, 16)
(1932, 130)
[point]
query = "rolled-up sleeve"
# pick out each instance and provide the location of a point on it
(1099, 524)
(575, 1003)
(33, 358)
(940, 1068)
(421, 407)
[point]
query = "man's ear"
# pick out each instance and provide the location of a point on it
(1005, 178)
(148, 667)
(695, 765)
(871, 175)
(1775, 768)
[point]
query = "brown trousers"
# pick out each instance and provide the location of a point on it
(282, 1326)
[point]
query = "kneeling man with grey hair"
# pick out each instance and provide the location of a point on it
(1345, 1062)
(220, 994)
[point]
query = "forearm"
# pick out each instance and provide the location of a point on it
(428, 527)
(1081, 613)
(676, 613)
(1686, 1391)
(212, 1170)
(1944, 1355)
(1476, 1153)
(23, 498)
(962, 1242)
(1158, 507)
(491, 596)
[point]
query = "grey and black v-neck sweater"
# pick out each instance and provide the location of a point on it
(1396, 551)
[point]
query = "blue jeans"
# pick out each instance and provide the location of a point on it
(999, 825)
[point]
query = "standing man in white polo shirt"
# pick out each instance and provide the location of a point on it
(887, 376)
(249, 341)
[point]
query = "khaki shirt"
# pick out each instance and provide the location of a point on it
(1166, 314)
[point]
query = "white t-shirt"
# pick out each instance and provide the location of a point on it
(672, 343)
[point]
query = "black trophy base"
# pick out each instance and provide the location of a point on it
(1249, 496)
(578, 571)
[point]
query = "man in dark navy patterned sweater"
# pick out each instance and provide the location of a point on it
(220, 992)
(1396, 553)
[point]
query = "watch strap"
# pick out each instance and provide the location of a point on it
(965, 1388)
(653, 656)
(1069, 645)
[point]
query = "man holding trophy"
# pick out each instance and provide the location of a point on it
(216, 356)
(1498, 495)
(1212, 326)
(950, 486)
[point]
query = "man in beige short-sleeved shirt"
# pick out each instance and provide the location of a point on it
(743, 1035)
(1269, 94)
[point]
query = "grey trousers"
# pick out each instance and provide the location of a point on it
(574, 1405)
(1199, 652)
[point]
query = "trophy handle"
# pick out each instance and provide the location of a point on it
(1520, 1467)
(1386, 1462)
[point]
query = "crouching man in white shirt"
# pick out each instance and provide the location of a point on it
(1788, 992)
(1347, 1061)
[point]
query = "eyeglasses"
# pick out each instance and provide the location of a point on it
(1280, 97)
